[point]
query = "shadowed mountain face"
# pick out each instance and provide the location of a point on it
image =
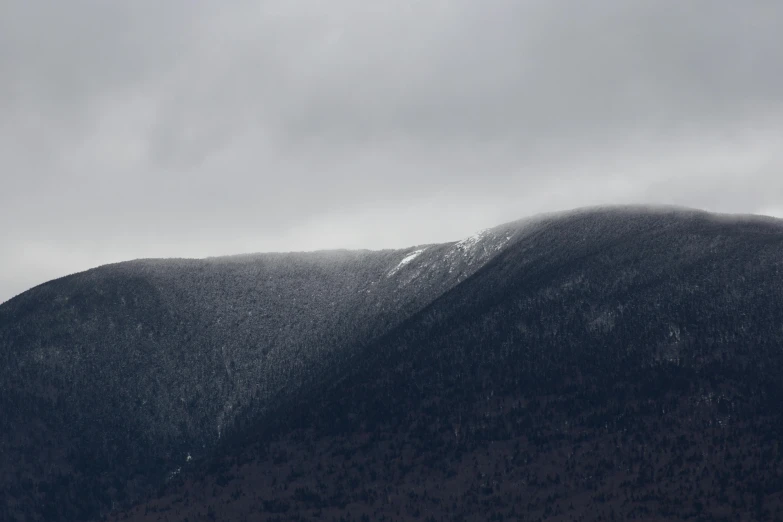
(605, 363)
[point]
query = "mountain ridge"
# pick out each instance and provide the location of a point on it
(451, 400)
(222, 345)
(168, 351)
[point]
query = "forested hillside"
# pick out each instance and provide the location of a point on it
(602, 364)
(608, 365)
(113, 378)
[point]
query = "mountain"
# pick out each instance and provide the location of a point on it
(593, 365)
(113, 378)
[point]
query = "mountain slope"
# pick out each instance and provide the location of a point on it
(607, 364)
(113, 378)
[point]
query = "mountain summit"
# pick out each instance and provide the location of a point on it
(612, 362)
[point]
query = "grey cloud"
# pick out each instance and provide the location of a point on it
(188, 128)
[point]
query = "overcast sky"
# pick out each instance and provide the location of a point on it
(186, 128)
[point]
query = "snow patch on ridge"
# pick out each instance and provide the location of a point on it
(474, 251)
(407, 259)
(470, 242)
(479, 245)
